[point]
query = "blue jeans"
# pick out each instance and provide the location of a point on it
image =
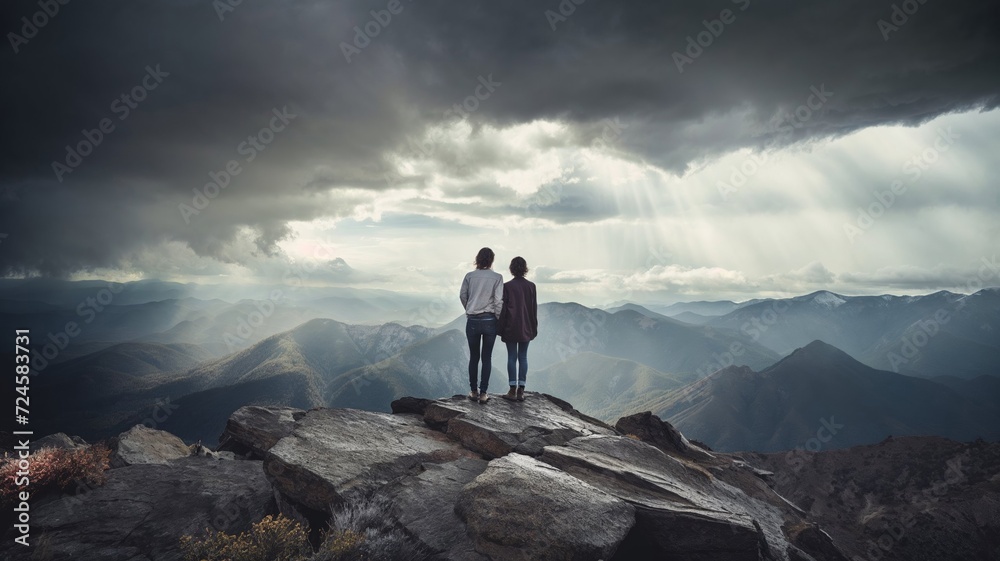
(517, 362)
(481, 330)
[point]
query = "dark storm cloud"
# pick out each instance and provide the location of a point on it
(218, 82)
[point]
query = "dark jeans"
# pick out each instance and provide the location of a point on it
(517, 362)
(481, 330)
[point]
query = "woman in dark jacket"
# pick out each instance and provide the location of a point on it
(518, 326)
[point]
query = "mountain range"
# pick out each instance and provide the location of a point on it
(736, 382)
(819, 397)
(937, 334)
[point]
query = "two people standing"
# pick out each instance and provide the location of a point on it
(493, 308)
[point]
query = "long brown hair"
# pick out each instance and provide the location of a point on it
(484, 259)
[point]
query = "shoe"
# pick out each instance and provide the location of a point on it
(511, 395)
(483, 398)
(474, 395)
(520, 393)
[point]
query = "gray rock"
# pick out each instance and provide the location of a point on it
(681, 509)
(142, 511)
(814, 540)
(334, 453)
(520, 508)
(653, 430)
(501, 427)
(143, 445)
(415, 405)
(424, 505)
(252, 430)
(58, 440)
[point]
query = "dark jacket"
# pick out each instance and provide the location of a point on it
(519, 316)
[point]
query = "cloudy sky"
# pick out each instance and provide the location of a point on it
(655, 151)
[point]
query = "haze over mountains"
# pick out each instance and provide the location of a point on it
(761, 375)
(821, 397)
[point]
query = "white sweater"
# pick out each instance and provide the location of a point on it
(482, 292)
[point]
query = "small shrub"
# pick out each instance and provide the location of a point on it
(275, 538)
(55, 470)
(361, 514)
(341, 546)
(362, 530)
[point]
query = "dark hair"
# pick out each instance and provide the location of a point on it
(518, 267)
(484, 259)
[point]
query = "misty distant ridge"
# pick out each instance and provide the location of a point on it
(722, 307)
(822, 397)
(763, 374)
(917, 335)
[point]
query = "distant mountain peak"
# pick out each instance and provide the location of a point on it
(823, 298)
(821, 349)
(816, 353)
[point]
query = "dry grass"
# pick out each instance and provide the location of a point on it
(361, 531)
(275, 538)
(55, 470)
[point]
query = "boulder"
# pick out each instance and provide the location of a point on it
(810, 537)
(334, 453)
(58, 440)
(414, 405)
(681, 510)
(142, 511)
(501, 427)
(143, 445)
(424, 505)
(523, 509)
(653, 430)
(252, 430)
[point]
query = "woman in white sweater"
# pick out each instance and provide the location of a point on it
(482, 297)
